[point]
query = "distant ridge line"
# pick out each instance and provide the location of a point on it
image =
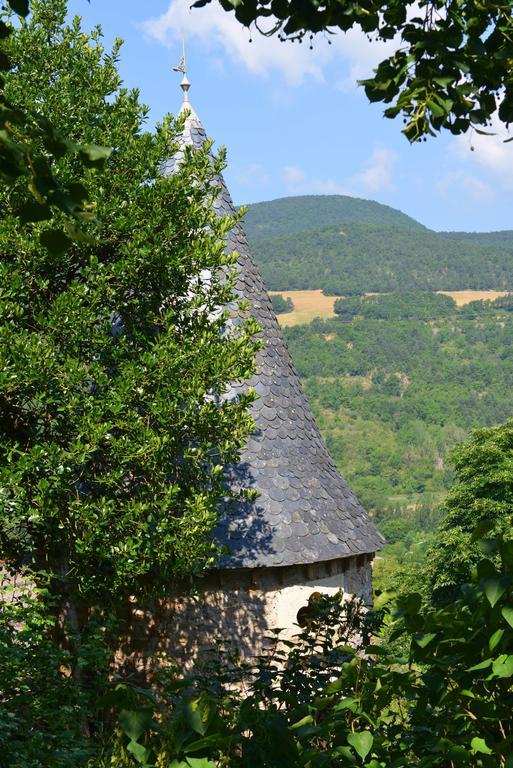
(347, 246)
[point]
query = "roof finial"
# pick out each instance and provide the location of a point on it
(182, 67)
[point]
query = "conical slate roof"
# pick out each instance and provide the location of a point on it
(305, 511)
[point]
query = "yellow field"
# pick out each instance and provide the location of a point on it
(307, 306)
(311, 304)
(464, 297)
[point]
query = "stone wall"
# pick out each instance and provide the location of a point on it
(238, 607)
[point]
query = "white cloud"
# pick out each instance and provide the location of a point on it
(488, 153)
(293, 176)
(250, 175)
(376, 174)
(216, 29)
(455, 183)
(297, 183)
(360, 55)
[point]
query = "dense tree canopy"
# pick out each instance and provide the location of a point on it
(347, 246)
(114, 360)
(451, 67)
(30, 144)
(280, 304)
(481, 499)
(113, 364)
(400, 305)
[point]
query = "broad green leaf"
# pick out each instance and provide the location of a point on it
(495, 639)
(139, 751)
(480, 745)
(346, 753)
(347, 703)
(361, 742)
(208, 744)
(94, 156)
(494, 588)
(21, 7)
(134, 722)
(435, 108)
(424, 640)
(335, 686)
(503, 666)
(200, 762)
(481, 665)
(308, 720)
(443, 81)
(197, 714)
(508, 615)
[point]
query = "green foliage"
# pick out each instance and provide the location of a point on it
(280, 304)
(481, 498)
(30, 147)
(279, 721)
(352, 247)
(114, 361)
(316, 701)
(41, 706)
(113, 435)
(392, 398)
(450, 66)
(403, 305)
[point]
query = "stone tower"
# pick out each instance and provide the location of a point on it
(306, 531)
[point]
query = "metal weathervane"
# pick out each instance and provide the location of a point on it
(182, 67)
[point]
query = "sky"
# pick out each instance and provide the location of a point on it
(294, 121)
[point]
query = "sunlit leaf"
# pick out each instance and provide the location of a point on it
(361, 742)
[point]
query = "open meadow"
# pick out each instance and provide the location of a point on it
(307, 306)
(313, 303)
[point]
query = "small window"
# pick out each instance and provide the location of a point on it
(304, 613)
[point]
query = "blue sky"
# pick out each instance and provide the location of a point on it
(294, 121)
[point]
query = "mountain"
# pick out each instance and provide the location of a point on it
(288, 215)
(345, 246)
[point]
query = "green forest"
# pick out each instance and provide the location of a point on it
(393, 396)
(347, 246)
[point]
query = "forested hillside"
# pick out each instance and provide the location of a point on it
(392, 397)
(347, 246)
(503, 238)
(295, 214)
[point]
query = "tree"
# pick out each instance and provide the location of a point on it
(481, 500)
(114, 357)
(280, 304)
(451, 67)
(22, 134)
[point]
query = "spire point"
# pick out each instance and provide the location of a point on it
(182, 67)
